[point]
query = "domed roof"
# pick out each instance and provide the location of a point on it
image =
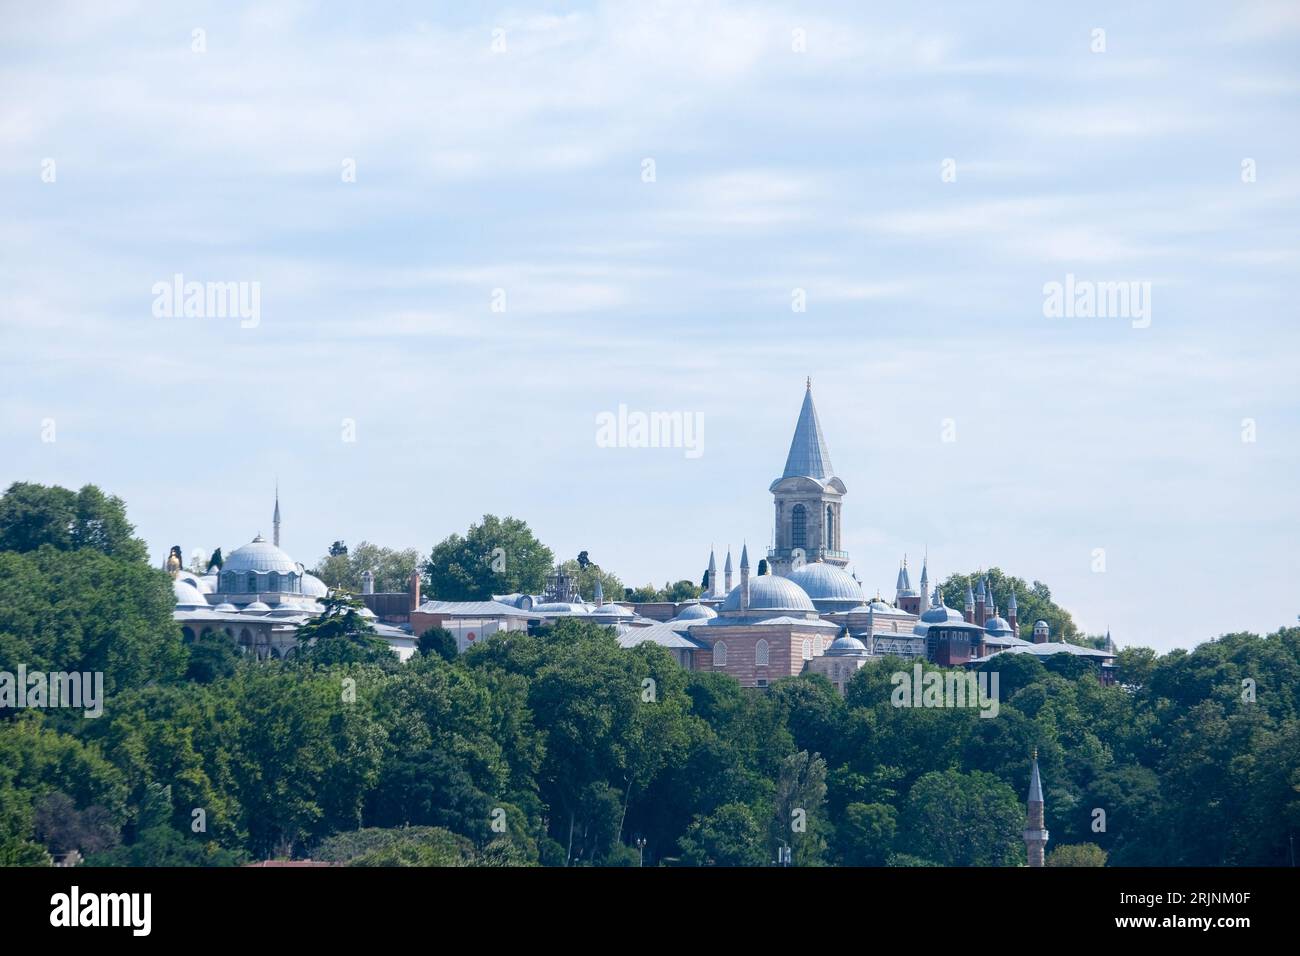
(313, 586)
(611, 610)
(998, 625)
(822, 581)
(259, 555)
(257, 606)
(847, 646)
(196, 581)
(225, 606)
(188, 594)
(769, 592)
(560, 607)
(696, 612)
(942, 614)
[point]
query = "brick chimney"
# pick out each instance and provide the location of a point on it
(415, 589)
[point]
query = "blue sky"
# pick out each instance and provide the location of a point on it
(775, 170)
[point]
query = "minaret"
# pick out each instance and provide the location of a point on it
(1011, 614)
(275, 520)
(970, 604)
(726, 570)
(1035, 830)
(924, 604)
(713, 574)
(744, 577)
(979, 603)
(600, 594)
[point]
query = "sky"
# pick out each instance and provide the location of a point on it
(473, 231)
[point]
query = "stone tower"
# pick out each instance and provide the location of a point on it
(808, 500)
(1035, 831)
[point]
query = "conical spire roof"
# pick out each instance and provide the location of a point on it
(808, 454)
(1035, 784)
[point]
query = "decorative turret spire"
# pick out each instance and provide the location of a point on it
(713, 574)
(727, 571)
(744, 577)
(1035, 831)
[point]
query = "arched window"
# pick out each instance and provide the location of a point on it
(817, 645)
(798, 527)
(273, 582)
(246, 637)
(227, 582)
(188, 632)
(719, 655)
(830, 528)
(807, 649)
(252, 582)
(760, 653)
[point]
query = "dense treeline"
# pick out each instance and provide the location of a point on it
(563, 748)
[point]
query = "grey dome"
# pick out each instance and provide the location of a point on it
(695, 612)
(846, 646)
(313, 586)
(942, 615)
(611, 610)
(770, 593)
(257, 606)
(998, 625)
(821, 581)
(187, 594)
(259, 555)
(225, 606)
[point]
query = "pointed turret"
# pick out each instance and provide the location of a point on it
(1035, 830)
(925, 581)
(970, 604)
(744, 577)
(1011, 614)
(713, 574)
(726, 570)
(600, 594)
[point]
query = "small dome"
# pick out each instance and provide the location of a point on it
(821, 581)
(696, 612)
(313, 586)
(259, 555)
(998, 625)
(225, 606)
(560, 607)
(196, 581)
(257, 606)
(847, 646)
(770, 593)
(942, 615)
(187, 594)
(611, 610)
(1040, 624)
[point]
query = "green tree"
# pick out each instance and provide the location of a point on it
(1077, 854)
(391, 567)
(498, 556)
(730, 836)
(33, 515)
(866, 834)
(439, 641)
(1034, 602)
(962, 819)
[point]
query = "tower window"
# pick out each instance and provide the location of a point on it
(830, 528)
(761, 653)
(798, 527)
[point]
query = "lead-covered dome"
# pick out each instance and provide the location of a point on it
(771, 593)
(821, 581)
(187, 595)
(259, 555)
(696, 612)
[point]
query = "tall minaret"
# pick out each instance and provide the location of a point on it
(979, 603)
(744, 577)
(600, 594)
(925, 586)
(726, 570)
(970, 604)
(275, 521)
(1011, 614)
(1035, 831)
(713, 574)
